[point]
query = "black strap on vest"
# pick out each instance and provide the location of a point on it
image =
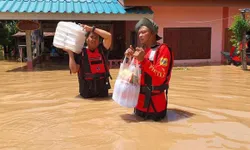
(105, 63)
(85, 62)
(148, 88)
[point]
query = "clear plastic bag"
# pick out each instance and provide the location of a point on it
(127, 85)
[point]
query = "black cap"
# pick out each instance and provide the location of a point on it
(149, 24)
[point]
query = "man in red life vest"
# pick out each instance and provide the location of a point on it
(91, 64)
(156, 61)
(234, 56)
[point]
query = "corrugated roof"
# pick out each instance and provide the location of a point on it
(68, 6)
(45, 34)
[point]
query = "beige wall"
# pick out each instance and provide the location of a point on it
(189, 3)
(193, 17)
(233, 11)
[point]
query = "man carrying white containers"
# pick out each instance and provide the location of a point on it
(90, 62)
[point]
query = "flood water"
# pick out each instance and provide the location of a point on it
(209, 109)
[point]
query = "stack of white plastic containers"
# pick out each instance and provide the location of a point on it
(69, 36)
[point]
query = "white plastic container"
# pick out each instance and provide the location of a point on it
(69, 36)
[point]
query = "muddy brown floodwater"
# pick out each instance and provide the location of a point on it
(209, 109)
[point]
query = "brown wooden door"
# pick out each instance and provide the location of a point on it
(119, 46)
(189, 43)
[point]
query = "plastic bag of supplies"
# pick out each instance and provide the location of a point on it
(127, 85)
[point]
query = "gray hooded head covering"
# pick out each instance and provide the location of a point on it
(149, 24)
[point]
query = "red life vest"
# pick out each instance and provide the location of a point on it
(93, 65)
(149, 88)
(233, 52)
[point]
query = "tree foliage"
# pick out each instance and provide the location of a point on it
(238, 27)
(7, 29)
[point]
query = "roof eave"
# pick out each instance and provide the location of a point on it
(72, 16)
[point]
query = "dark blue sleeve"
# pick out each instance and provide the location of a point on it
(104, 50)
(77, 58)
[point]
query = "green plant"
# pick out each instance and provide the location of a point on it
(238, 28)
(7, 29)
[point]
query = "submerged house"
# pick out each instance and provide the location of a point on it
(197, 31)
